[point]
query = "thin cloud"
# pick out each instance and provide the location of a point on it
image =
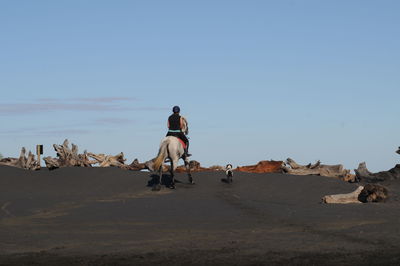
(105, 99)
(89, 99)
(28, 108)
(67, 129)
(40, 132)
(63, 132)
(103, 104)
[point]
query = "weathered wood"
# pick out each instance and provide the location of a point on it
(108, 160)
(262, 167)
(137, 166)
(344, 198)
(364, 175)
(67, 157)
(373, 193)
(195, 167)
(24, 161)
(363, 194)
(336, 171)
(295, 165)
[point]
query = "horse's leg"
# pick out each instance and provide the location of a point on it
(158, 186)
(174, 163)
(186, 160)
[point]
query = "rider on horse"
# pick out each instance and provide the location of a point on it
(175, 126)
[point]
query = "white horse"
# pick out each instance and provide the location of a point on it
(171, 147)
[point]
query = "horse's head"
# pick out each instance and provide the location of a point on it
(185, 126)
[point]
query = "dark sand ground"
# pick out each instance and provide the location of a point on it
(108, 216)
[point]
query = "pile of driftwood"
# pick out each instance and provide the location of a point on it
(67, 157)
(24, 161)
(363, 194)
(336, 171)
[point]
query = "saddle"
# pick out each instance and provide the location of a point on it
(182, 142)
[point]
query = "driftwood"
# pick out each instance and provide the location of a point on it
(148, 165)
(373, 193)
(363, 194)
(196, 167)
(262, 167)
(344, 198)
(137, 166)
(337, 171)
(67, 157)
(24, 161)
(364, 175)
(108, 160)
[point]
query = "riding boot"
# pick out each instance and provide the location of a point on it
(187, 154)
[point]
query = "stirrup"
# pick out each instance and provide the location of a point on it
(188, 154)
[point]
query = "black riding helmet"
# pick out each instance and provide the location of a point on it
(176, 109)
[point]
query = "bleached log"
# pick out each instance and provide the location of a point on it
(295, 165)
(363, 194)
(336, 171)
(344, 198)
(137, 166)
(108, 160)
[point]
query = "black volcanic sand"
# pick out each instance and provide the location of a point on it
(108, 216)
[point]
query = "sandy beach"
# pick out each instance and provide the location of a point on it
(109, 216)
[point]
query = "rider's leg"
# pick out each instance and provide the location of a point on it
(185, 139)
(187, 149)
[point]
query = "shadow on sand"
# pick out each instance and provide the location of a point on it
(166, 180)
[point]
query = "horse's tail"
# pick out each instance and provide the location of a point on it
(162, 154)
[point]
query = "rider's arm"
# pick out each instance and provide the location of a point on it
(181, 122)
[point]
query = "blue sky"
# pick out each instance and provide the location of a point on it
(257, 80)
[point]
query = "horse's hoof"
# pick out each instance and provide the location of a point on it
(192, 183)
(172, 187)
